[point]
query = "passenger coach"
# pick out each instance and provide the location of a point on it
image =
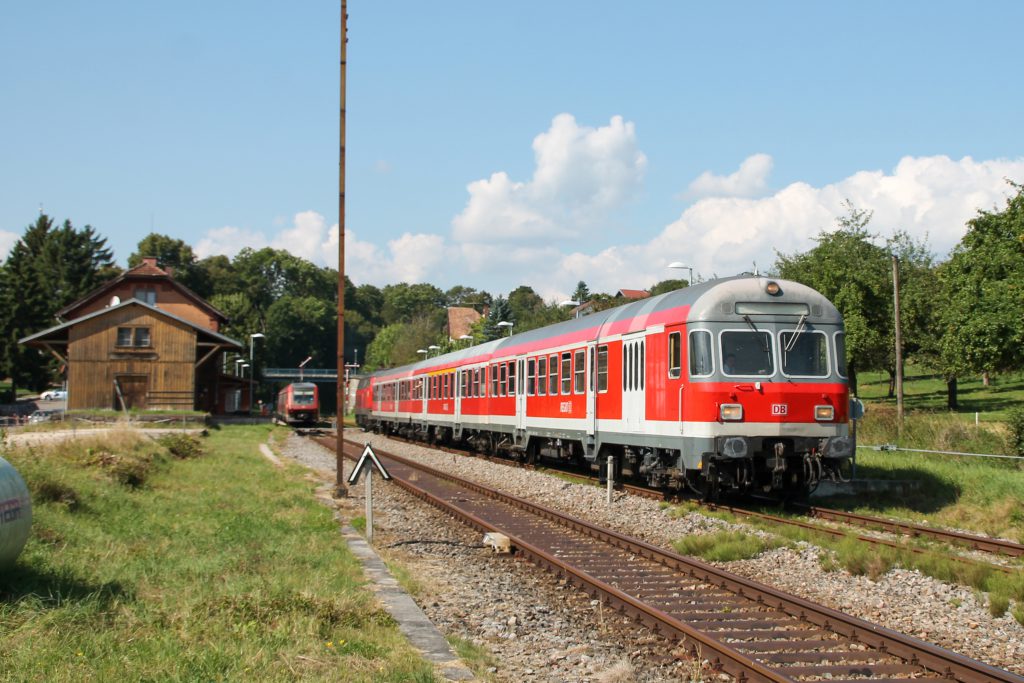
(738, 384)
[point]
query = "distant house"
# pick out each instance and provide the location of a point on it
(632, 294)
(144, 341)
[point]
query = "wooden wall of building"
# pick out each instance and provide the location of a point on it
(168, 298)
(160, 376)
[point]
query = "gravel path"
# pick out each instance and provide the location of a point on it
(540, 630)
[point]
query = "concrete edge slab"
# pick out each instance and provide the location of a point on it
(412, 622)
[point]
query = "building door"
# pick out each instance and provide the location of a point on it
(133, 389)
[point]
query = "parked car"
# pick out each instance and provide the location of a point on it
(54, 395)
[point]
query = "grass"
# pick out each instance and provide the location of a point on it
(207, 566)
(926, 391)
(725, 546)
(478, 658)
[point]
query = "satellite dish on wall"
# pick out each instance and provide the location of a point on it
(115, 300)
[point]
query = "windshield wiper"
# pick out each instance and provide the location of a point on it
(800, 326)
(761, 341)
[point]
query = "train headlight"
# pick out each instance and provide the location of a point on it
(772, 288)
(824, 413)
(730, 412)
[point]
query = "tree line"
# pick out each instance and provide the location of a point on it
(960, 317)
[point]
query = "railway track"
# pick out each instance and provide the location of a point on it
(749, 630)
(972, 541)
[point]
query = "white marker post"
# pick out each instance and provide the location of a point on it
(368, 458)
(611, 477)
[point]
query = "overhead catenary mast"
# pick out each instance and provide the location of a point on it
(340, 487)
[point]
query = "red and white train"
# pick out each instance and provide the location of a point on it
(737, 384)
(298, 404)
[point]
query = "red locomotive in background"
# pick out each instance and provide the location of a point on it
(737, 384)
(298, 404)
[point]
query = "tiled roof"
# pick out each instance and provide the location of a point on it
(633, 293)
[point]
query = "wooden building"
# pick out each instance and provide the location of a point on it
(144, 341)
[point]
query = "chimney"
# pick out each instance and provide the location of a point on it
(169, 270)
(149, 261)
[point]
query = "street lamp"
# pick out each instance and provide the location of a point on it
(423, 351)
(571, 302)
(302, 365)
(683, 266)
(467, 337)
(238, 365)
(505, 323)
(252, 376)
(434, 347)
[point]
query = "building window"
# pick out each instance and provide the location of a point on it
(146, 295)
(124, 336)
(142, 336)
(137, 337)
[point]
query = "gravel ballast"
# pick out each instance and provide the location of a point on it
(540, 629)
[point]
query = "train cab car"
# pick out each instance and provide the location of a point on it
(733, 385)
(299, 404)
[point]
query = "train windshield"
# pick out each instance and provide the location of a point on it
(747, 353)
(303, 397)
(804, 354)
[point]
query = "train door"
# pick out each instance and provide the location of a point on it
(458, 378)
(633, 380)
(520, 392)
(675, 383)
(592, 389)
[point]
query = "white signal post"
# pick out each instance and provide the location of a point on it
(368, 459)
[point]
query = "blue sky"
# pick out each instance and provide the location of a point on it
(493, 145)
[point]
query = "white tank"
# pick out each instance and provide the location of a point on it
(15, 514)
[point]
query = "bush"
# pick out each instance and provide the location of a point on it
(182, 446)
(1015, 421)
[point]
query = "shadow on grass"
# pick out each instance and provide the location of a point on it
(922, 491)
(50, 590)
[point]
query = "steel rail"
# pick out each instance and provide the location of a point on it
(982, 543)
(974, 541)
(885, 641)
(839, 534)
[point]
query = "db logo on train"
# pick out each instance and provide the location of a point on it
(780, 409)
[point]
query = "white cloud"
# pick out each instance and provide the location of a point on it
(749, 181)
(409, 258)
(7, 242)
(228, 241)
(581, 173)
(929, 197)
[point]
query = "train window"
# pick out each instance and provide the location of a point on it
(494, 380)
(476, 383)
(511, 379)
(643, 367)
(505, 367)
(542, 376)
(675, 354)
(566, 373)
(602, 368)
(747, 353)
(553, 375)
(700, 354)
(580, 366)
(840, 340)
(626, 348)
(465, 383)
(531, 377)
(804, 353)
(593, 374)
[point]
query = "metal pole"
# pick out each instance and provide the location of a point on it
(611, 477)
(340, 488)
(369, 507)
(899, 338)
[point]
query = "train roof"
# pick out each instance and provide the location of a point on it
(714, 300)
